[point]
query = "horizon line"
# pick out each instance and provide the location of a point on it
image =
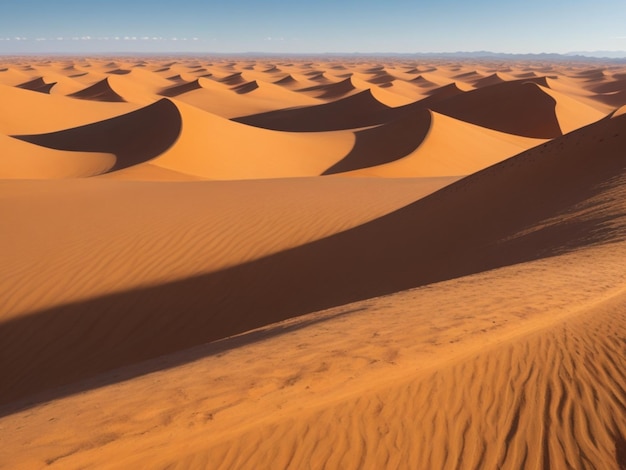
(455, 54)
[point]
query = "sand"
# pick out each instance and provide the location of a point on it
(212, 263)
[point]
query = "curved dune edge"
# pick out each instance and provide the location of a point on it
(407, 91)
(522, 108)
(119, 88)
(22, 160)
(385, 143)
(101, 91)
(358, 110)
(381, 94)
(282, 213)
(28, 112)
(571, 113)
(149, 172)
(489, 80)
(212, 147)
(133, 138)
(620, 112)
(9, 76)
(333, 91)
(38, 84)
(472, 149)
(208, 95)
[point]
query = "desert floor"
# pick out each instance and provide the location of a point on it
(325, 263)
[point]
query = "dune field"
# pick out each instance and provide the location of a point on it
(340, 263)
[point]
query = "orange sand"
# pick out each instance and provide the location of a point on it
(312, 264)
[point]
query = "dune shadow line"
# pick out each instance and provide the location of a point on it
(133, 138)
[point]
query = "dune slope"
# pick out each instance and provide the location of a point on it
(133, 138)
(413, 246)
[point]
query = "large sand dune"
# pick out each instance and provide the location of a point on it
(308, 264)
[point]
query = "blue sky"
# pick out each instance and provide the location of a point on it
(70, 26)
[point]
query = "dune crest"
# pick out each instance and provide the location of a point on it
(130, 137)
(101, 91)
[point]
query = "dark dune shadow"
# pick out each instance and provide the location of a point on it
(439, 94)
(385, 143)
(472, 75)
(38, 84)
(133, 138)
(518, 107)
(422, 82)
(620, 452)
(359, 110)
(318, 76)
(180, 89)
(332, 90)
(381, 79)
(215, 348)
(246, 87)
(233, 79)
(523, 209)
(617, 99)
(101, 91)
(286, 80)
(119, 72)
(610, 87)
(489, 80)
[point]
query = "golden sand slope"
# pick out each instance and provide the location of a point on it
(373, 265)
(517, 367)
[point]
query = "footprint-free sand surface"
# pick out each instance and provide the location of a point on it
(312, 263)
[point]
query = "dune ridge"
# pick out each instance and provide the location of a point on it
(101, 91)
(131, 137)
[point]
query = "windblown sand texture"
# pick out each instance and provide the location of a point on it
(342, 264)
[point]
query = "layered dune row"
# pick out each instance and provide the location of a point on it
(247, 264)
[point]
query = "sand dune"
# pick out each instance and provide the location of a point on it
(521, 107)
(38, 84)
(331, 91)
(176, 90)
(26, 161)
(321, 263)
(29, 111)
(287, 80)
(489, 80)
(435, 153)
(386, 143)
(119, 87)
(421, 81)
(210, 96)
(133, 138)
(358, 110)
(216, 148)
(101, 91)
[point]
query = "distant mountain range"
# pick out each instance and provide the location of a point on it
(567, 56)
(600, 54)
(613, 56)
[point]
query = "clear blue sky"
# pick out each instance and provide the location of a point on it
(92, 26)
